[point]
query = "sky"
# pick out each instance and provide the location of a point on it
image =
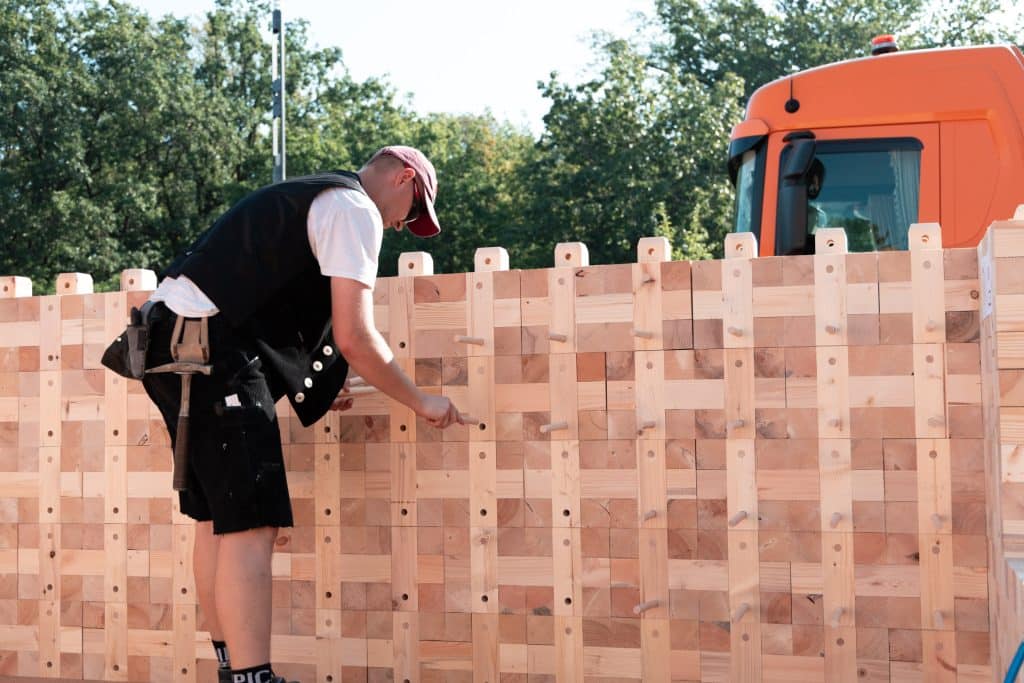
(456, 56)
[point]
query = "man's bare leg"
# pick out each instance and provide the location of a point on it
(243, 594)
(204, 565)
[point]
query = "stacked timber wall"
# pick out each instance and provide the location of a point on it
(748, 469)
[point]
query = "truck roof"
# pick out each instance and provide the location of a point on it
(899, 87)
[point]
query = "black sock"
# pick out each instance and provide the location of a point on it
(255, 674)
(220, 648)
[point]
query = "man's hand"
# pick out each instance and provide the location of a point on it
(439, 411)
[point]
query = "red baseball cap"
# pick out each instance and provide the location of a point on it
(426, 225)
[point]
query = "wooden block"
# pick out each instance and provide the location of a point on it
(659, 665)
(567, 571)
(571, 255)
(737, 291)
(15, 287)
(568, 664)
(74, 283)
(415, 263)
(565, 483)
(830, 288)
(653, 250)
(138, 280)
(744, 606)
(489, 259)
(485, 647)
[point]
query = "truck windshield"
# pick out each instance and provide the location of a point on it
(749, 190)
(871, 188)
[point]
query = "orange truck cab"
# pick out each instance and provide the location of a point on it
(875, 144)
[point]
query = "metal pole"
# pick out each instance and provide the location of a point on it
(278, 89)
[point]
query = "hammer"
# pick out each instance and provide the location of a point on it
(190, 350)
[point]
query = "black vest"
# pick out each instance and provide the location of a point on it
(255, 264)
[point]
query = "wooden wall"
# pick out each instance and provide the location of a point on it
(749, 469)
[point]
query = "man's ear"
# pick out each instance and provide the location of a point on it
(405, 175)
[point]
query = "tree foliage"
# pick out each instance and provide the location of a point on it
(124, 136)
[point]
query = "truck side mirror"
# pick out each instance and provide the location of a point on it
(791, 223)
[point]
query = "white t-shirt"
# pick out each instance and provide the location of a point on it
(345, 232)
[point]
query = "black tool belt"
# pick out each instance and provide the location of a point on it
(126, 355)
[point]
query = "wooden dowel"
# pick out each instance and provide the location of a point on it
(737, 518)
(736, 424)
(835, 423)
(648, 280)
(743, 608)
(356, 381)
(938, 618)
(644, 606)
(832, 329)
(837, 614)
(476, 341)
(468, 419)
(935, 421)
(648, 424)
(558, 337)
(937, 521)
(650, 514)
(643, 334)
(553, 427)
(931, 326)
(361, 391)
(735, 331)
(834, 521)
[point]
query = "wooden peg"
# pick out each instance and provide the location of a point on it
(648, 424)
(832, 329)
(650, 514)
(553, 427)
(736, 424)
(937, 521)
(835, 423)
(138, 280)
(931, 326)
(643, 334)
(738, 517)
(558, 337)
(411, 263)
(836, 518)
(734, 331)
(935, 421)
(653, 249)
(355, 381)
(15, 287)
(647, 280)
(571, 255)
(468, 419)
(837, 614)
(475, 341)
(743, 608)
(937, 616)
(361, 391)
(644, 606)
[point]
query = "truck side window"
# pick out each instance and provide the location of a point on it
(749, 192)
(871, 188)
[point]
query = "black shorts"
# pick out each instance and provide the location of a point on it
(236, 473)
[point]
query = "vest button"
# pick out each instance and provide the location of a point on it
(308, 382)
(318, 366)
(300, 397)
(328, 350)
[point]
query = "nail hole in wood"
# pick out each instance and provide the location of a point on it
(404, 511)
(327, 511)
(482, 426)
(116, 510)
(405, 596)
(327, 594)
(483, 512)
(933, 454)
(568, 601)
(401, 428)
(565, 512)
(829, 269)
(401, 344)
(483, 598)
(487, 260)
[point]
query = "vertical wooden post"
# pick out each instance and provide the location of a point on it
(833, 396)
(50, 435)
(741, 468)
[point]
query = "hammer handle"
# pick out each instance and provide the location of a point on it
(180, 475)
(180, 479)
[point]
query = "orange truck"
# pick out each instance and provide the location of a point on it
(875, 144)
